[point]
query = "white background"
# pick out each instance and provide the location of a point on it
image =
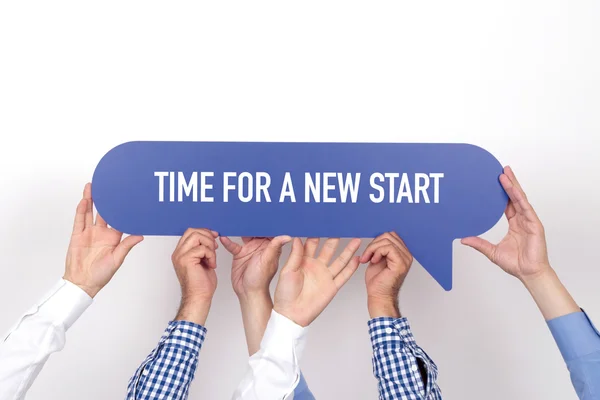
(519, 78)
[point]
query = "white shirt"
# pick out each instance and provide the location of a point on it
(38, 334)
(274, 371)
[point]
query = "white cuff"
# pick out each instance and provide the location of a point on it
(283, 337)
(64, 304)
(274, 371)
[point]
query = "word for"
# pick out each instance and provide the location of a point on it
(319, 187)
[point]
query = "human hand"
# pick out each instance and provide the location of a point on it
(255, 263)
(96, 251)
(308, 284)
(522, 252)
(195, 262)
(389, 262)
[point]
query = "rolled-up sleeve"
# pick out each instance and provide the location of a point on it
(169, 369)
(396, 361)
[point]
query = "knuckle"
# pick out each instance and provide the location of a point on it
(204, 232)
(343, 258)
(195, 234)
(387, 236)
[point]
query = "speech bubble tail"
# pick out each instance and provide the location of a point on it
(438, 262)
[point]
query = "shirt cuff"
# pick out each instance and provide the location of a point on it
(575, 335)
(390, 331)
(184, 334)
(64, 304)
(280, 332)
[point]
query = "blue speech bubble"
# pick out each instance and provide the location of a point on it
(430, 194)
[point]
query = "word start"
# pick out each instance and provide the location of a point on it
(325, 187)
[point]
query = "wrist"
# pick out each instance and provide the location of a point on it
(91, 291)
(194, 310)
(302, 317)
(255, 295)
(539, 279)
(550, 295)
(383, 307)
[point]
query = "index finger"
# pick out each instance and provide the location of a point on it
(518, 199)
(197, 238)
(508, 171)
(189, 231)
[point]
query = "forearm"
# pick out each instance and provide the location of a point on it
(384, 307)
(256, 310)
(274, 371)
(551, 297)
(397, 359)
(24, 353)
(169, 369)
(40, 333)
(194, 310)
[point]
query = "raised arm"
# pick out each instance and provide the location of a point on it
(403, 370)
(523, 254)
(169, 369)
(254, 266)
(306, 286)
(95, 254)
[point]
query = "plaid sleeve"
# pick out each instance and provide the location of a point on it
(168, 371)
(396, 359)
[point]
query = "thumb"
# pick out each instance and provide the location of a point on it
(273, 250)
(231, 246)
(294, 261)
(125, 247)
(481, 245)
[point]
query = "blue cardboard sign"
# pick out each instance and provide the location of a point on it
(430, 194)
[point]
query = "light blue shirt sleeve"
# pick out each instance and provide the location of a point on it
(302, 392)
(579, 344)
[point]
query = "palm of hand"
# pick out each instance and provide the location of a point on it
(251, 270)
(310, 288)
(90, 258)
(522, 252)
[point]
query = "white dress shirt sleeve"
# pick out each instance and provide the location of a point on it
(38, 334)
(274, 371)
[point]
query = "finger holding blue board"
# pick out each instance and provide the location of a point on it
(430, 194)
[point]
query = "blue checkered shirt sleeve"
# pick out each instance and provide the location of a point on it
(168, 371)
(396, 358)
